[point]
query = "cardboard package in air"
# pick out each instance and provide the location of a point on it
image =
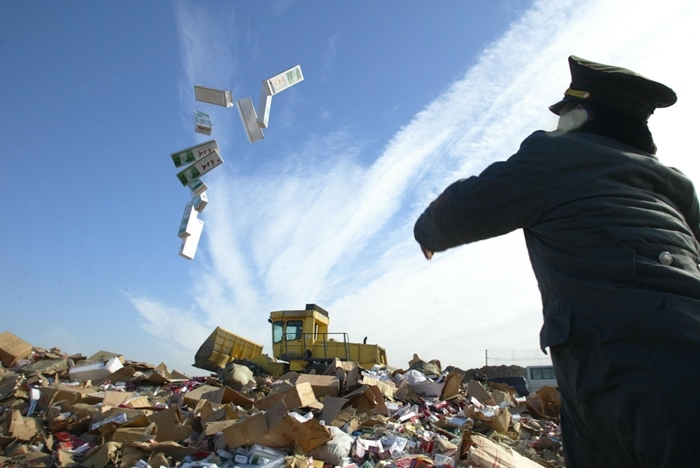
(249, 119)
(197, 169)
(194, 153)
(202, 123)
(220, 97)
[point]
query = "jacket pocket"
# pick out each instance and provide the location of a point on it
(556, 328)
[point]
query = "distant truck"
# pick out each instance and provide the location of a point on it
(540, 376)
(300, 342)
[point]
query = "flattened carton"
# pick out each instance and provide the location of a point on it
(13, 348)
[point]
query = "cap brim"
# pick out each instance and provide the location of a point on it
(556, 108)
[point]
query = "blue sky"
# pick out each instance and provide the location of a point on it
(399, 99)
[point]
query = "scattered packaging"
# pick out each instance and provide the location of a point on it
(145, 415)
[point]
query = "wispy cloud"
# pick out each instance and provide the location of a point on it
(329, 56)
(330, 229)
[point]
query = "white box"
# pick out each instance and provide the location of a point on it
(200, 202)
(94, 370)
(197, 186)
(283, 80)
(199, 168)
(188, 225)
(264, 107)
(202, 123)
(213, 96)
(250, 120)
(188, 249)
(194, 153)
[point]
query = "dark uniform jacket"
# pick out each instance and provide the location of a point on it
(612, 236)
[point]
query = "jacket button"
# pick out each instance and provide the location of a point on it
(666, 258)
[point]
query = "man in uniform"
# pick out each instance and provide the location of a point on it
(612, 236)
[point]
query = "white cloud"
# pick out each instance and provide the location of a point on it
(330, 230)
(331, 50)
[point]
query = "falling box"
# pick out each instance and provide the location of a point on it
(188, 225)
(200, 201)
(199, 168)
(250, 120)
(188, 249)
(197, 186)
(13, 348)
(193, 153)
(202, 123)
(264, 108)
(219, 97)
(284, 80)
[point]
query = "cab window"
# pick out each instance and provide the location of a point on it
(277, 331)
(293, 331)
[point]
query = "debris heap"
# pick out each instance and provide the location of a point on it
(104, 410)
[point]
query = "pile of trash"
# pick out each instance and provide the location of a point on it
(103, 410)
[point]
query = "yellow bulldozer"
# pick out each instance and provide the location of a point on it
(301, 342)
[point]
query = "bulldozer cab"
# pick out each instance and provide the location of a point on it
(301, 337)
